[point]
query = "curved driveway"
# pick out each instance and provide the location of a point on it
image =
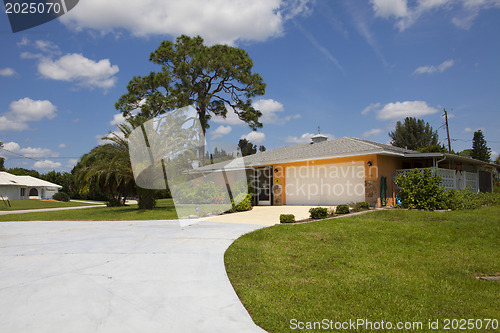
(128, 276)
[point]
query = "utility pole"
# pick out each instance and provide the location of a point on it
(447, 130)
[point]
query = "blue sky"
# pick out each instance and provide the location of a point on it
(352, 67)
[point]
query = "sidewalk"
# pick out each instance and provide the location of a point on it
(7, 212)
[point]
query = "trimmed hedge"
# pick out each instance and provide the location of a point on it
(342, 209)
(318, 213)
(360, 206)
(287, 218)
(61, 196)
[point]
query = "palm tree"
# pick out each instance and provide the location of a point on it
(108, 167)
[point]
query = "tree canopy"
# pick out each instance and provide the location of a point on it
(415, 134)
(211, 78)
(246, 147)
(480, 150)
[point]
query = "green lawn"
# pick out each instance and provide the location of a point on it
(164, 210)
(395, 266)
(36, 204)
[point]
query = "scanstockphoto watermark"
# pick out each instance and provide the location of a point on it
(470, 324)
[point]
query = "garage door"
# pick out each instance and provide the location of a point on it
(330, 184)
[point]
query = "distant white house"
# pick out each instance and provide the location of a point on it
(14, 187)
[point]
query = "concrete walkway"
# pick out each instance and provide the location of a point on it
(263, 215)
(127, 276)
(6, 212)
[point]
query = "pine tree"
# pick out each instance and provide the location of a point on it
(480, 150)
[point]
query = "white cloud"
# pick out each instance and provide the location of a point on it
(464, 12)
(387, 8)
(12, 146)
(400, 110)
(7, 71)
(47, 165)
(38, 152)
(305, 138)
(29, 152)
(218, 21)
(83, 71)
(220, 131)
(62, 146)
(432, 69)
(117, 119)
(26, 110)
(471, 130)
(370, 108)
(372, 132)
(270, 114)
(255, 137)
(47, 46)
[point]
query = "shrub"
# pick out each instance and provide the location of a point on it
(360, 206)
(114, 202)
(421, 189)
(342, 209)
(61, 196)
(245, 202)
(287, 218)
(465, 199)
(318, 213)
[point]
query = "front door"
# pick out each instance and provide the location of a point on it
(264, 177)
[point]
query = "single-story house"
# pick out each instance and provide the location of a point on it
(344, 170)
(14, 187)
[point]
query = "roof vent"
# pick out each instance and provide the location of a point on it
(319, 137)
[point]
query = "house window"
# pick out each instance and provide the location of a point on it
(23, 192)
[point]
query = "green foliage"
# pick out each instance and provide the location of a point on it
(207, 77)
(64, 179)
(61, 196)
(360, 206)
(246, 147)
(318, 213)
(421, 189)
(414, 134)
(287, 218)
(465, 199)
(2, 161)
(433, 149)
(342, 209)
(23, 172)
(480, 150)
(115, 202)
(245, 203)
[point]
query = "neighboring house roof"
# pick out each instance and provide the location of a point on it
(28, 181)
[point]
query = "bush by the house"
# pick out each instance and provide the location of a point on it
(287, 218)
(114, 202)
(318, 213)
(245, 203)
(421, 189)
(61, 196)
(465, 199)
(360, 206)
(342, 209)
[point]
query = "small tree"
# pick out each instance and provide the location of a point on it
(480, 150)
(421, 189)
(262, 148)
(246, 147)
(414, 134)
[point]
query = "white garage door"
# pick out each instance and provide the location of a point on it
(330, 184)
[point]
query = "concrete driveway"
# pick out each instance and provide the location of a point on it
(144, 276)
(263, 215)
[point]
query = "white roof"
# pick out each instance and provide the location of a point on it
(13, 180)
